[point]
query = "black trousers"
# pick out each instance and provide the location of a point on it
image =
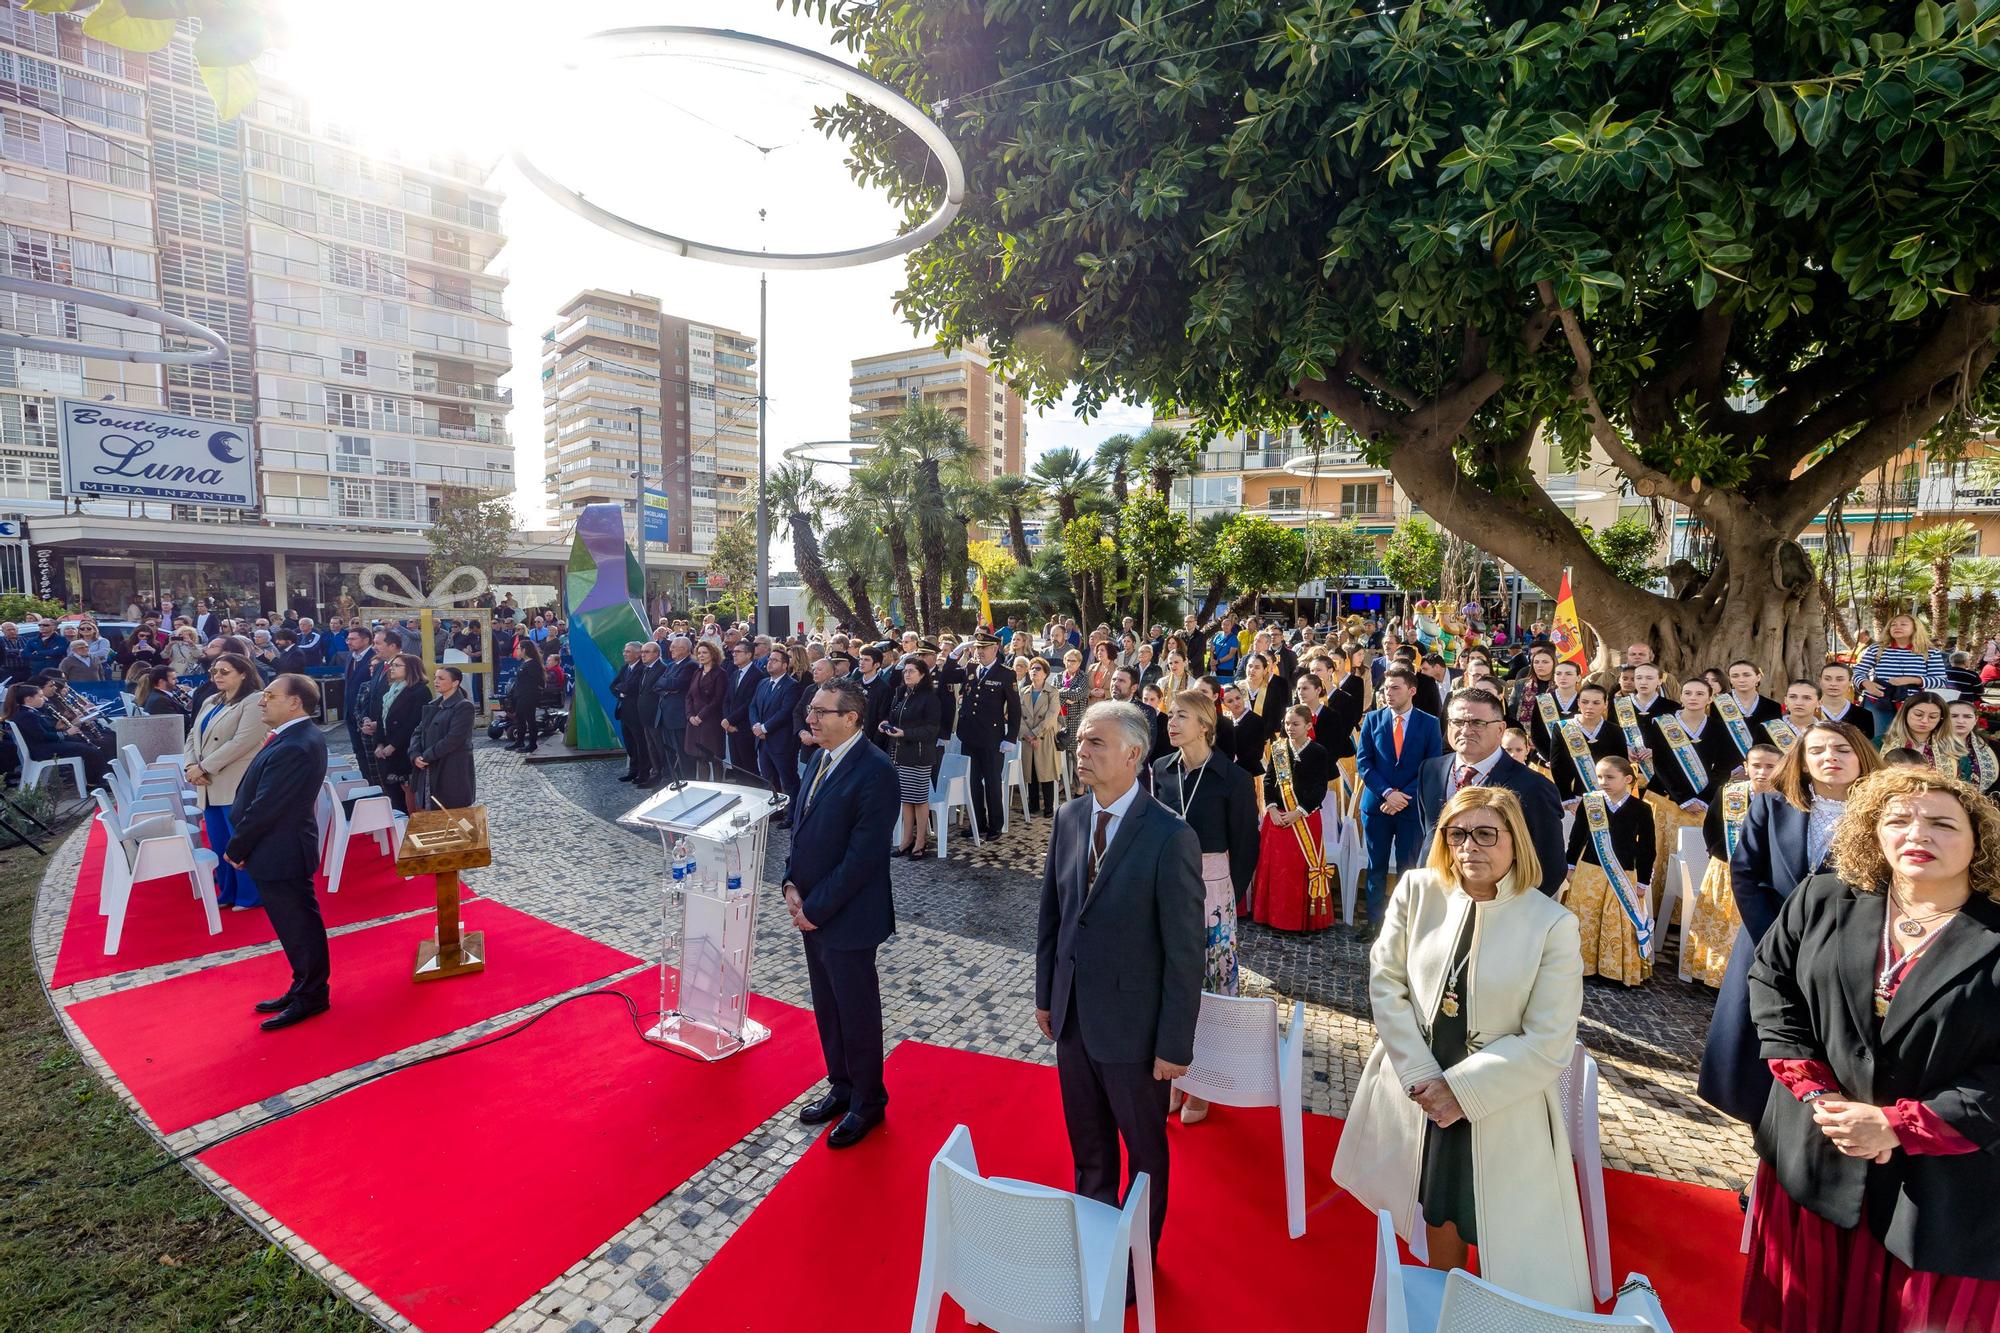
(294, 911)
(1104, 1103)
(847, 1006)
(670, 755)
(986, 787)
(522, 722)
(1042, 797)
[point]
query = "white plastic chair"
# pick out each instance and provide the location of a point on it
(1241, 1060)
(1474, 1305)
(1019, 1256)
(1013, 778)
(1749, 1209)
(171, 765)
(952, 791)
(1406, 1297)
(35, 771)
(1578, 1084)
(169, 851)
(337, 788)
(372, 814)
(1350, 854)
(1685, 868)
(147, 818)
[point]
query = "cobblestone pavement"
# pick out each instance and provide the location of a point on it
(959, 972)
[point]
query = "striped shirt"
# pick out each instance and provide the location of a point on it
(1882, 662)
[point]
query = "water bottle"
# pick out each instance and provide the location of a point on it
(735, 868)
(680, 861)
(693, 869)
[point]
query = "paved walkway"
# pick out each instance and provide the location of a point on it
(959, 972)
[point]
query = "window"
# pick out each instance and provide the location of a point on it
(1285, 497)
(1360, 501)
(354, 361)
(353, 453)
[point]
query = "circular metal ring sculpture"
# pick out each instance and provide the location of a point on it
(822, 452)
(217, 349)
(627, 43)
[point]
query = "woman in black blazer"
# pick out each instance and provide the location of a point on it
(915, 717)
(1786, 837)
(1874, 995)
(1327, 724)
(524, 697)
(397, 712)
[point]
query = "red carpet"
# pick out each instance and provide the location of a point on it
(458, 1189)
(188, 1048)
(1225, 1262)
(164, 921)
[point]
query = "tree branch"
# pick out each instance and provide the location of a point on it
(1363, 416)
(1374, 379)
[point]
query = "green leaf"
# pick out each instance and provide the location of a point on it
(1250, 100)
(1778, 122)
(233, 88)
(111, 22)
(1704, 289)
(1929, 21)
(229, 38)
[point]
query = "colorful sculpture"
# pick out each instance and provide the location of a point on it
(602, 588)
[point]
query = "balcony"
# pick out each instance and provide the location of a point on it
(480, 393)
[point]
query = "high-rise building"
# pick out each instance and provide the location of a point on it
(611, 362)
(959, 380)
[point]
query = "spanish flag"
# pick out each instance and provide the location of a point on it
(985, 607)
(1568, 631)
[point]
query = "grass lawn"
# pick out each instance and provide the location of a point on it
(84, 1247)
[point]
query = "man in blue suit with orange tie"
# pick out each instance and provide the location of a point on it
(1395, 741)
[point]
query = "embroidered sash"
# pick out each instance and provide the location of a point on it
(1731, 713)
(1628, 722)
(1639, 911)
(1682, 746)
(1985, 764)
(1545, 704)
(1735, 808)
(1579, 754)
(1782, 733)
(1319, 891)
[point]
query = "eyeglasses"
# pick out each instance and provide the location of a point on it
(1485, 835)
(1472, 723)
(826, 712)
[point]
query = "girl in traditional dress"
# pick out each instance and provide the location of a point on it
(1920, 725)
(1600, 737)
(1522, 750)
(1692, 757)
(1294, 885)
(1612, 838)
(1712, 930)
(1978, 765)
(1218, 801)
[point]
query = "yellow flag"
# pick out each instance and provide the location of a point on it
(1568, 633)
(985, 607)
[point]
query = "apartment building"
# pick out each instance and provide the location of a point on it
(367, 333)
(618, 370)
(959, 380)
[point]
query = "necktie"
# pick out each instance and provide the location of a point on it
(1096, 851)
(1399, 735)
(269, 736)
(825, 762)
(1462, 777)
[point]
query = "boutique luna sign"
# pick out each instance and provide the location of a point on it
(118, 452)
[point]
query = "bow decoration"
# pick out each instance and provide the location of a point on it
(448, 593)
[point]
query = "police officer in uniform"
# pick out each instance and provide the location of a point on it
(989, 724)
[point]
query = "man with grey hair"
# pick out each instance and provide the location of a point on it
(670, 719)
(1119, 951)
(626, 688)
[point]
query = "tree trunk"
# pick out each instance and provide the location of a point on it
(1941, 603)
(812, 572)
(899, 557)
(1210, 600)
(857, 592)
(1017, 532)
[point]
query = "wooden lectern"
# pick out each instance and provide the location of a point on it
(442, 843)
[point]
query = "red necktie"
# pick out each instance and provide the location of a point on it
(1463, 777)
(269, 736)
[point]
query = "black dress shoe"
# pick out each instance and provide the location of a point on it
(628, 777)
(295, 1012)
(274, 1006)
(829, 1107)
(899, 852)
(853, 1128)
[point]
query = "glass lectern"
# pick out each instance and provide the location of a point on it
(712, 835)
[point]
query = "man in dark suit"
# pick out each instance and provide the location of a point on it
(1475, 721)
(744, 678)
(1395, 741)
(207, 623)
(879, 684)
(360, 672)
(636, 743)
(291, 659)
(274, 835)
(989, 724)
(1118, 960)
(677, 672)
(837, 890)
(770, 723)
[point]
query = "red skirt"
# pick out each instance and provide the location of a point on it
(1806, 1275)
(1281, 895)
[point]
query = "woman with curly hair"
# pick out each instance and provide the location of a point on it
(1874, 996)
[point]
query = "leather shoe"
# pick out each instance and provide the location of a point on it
(295, 1012)
(829, 1107)
(853, 1128)
(275, 1005)
(627, 777)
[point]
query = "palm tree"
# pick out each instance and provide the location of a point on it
(1114, 460)
(857, 555)
(876, 495)
(1937, 547)
(1013, 494)
(1165, 456)
(796, 494)
(930, 446)
(1207, 540)
(1977, 580)
(1064, 478)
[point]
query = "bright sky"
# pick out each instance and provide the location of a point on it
(674, 143)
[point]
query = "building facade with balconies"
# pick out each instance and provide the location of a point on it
(960, 381)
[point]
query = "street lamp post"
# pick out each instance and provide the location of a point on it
(639, 476)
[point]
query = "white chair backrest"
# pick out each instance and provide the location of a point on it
(1387, 1310)
(956, 766)
(1473, 1305)
(1236, 1048)
(20, 746)
(1010, 1248)
(1578, 1085)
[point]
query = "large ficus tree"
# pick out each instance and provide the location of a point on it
(1745, 247)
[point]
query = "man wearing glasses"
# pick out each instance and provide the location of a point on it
(1475, 720)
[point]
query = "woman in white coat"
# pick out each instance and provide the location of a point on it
(225, 737)
(1457, 1123)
